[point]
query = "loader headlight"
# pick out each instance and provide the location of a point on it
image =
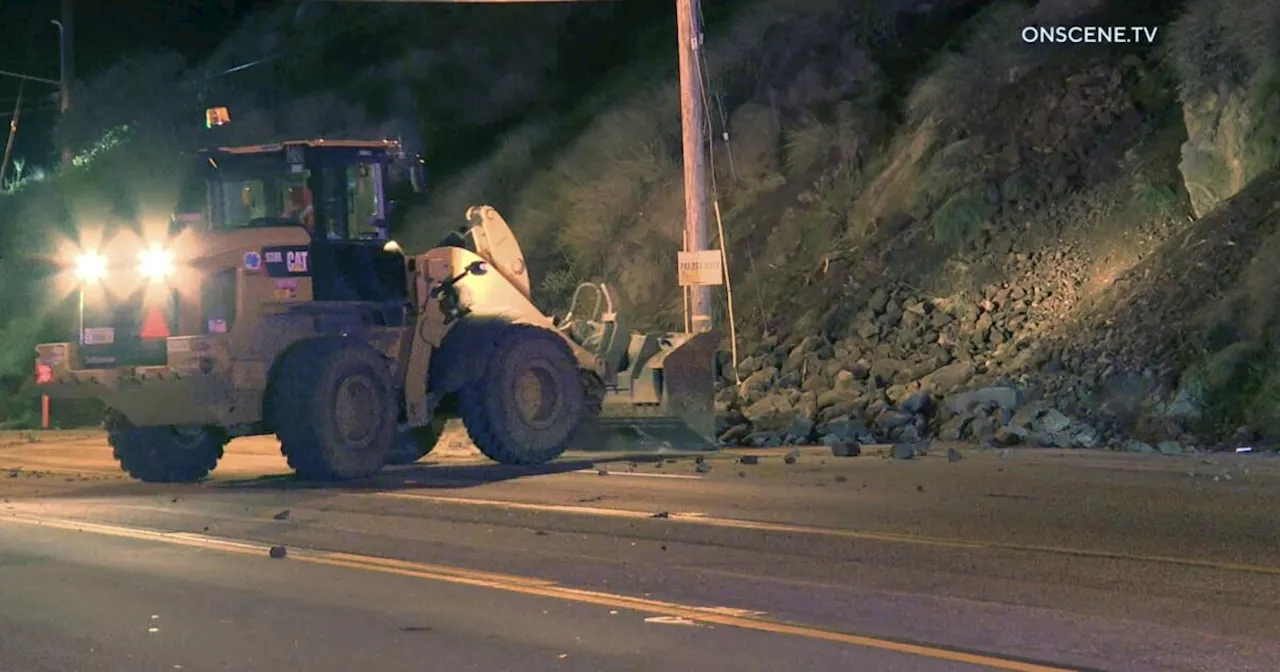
(155, 263)
(91, 267)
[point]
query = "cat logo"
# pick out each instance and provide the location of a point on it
(296, 261)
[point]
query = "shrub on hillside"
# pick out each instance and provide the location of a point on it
(1224, 43)
(988, 56)
(1227, 57)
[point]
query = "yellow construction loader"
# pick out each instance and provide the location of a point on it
(283, 308)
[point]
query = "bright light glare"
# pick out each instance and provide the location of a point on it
(90, 267)
(156, 264)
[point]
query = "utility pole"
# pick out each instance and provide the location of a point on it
(66, 57)
(13, 132)
(692, 121)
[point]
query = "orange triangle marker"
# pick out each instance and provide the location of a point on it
(153, 326)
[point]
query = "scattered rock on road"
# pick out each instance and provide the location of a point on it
(277, 552)
(846, 449)
(283, 515)
(908, 451)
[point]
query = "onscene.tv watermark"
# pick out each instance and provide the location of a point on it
(1089, 34)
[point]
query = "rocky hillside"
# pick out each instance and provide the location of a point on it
(1109, 285)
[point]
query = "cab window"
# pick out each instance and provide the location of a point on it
(284, 197)
(364, 210)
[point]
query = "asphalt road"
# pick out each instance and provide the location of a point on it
(1025, 560)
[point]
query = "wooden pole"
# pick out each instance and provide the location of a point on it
(44, 411)
(692, 121)
(13, 132)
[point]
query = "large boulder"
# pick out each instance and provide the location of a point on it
(1006, 398)
(772, 413)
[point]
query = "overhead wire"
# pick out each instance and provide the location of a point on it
(317, 43)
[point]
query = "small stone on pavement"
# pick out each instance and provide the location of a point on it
(846, 449)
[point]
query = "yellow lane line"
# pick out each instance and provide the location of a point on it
(733, 618)
(765, 526)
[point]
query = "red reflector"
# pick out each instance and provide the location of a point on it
(44, 374)
(154, 325)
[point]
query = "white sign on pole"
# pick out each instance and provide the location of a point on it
(701, 268)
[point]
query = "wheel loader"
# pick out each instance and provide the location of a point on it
(282, 307)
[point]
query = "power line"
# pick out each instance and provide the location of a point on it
(32, 78)
(320, 43)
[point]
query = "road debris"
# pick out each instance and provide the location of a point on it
(902, 451)
(702, 467)
(602, 472)
(277, 552)
(846, 449)
(661, 514)
(749, 459)
(791, 457)
(283, 515)
(954, 455)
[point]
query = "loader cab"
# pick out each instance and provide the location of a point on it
(336, 191)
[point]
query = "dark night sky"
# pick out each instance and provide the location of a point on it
(104, 31)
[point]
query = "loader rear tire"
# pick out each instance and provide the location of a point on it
(528, 405)
(165, 454)
(416, 443)
(334, 410)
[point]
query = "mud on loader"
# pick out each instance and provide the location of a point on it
(284, 309)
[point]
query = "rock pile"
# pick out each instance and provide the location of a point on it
(911, 369)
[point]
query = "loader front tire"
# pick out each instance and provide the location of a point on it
(528, 405)
(334, 410)
(165, 454)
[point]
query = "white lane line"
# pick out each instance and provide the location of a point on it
(525, 506)
(596, 472)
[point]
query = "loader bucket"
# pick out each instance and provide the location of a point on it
(666, 404)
